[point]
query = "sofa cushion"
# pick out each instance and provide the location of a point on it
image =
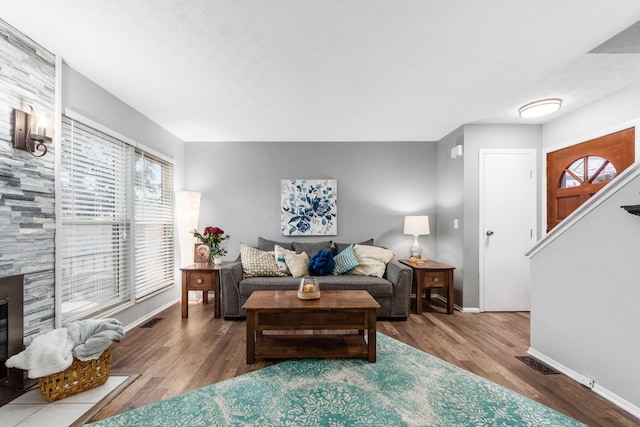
(282, 263)
(268, 245)
(321, 263)
(345, 260)
(297, 263)
(258, 263)
(339, 247)
(311, 248)
(372, 260)
(377, 287)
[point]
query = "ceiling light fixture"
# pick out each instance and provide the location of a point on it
(540, 108)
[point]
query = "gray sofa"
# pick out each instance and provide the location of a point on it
(392, 291)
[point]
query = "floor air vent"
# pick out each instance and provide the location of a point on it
(537, 365)
(151, 323)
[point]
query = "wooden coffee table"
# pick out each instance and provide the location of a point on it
(335, 310)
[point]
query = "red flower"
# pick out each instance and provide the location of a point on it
(213, 230)
(213, 236)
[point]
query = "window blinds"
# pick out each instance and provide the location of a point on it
(116, 222)
(95, 222)
(153, 225)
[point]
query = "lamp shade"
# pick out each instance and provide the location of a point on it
(416, 225)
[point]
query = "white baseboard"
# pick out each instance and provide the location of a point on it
(148, 316)
(587, 382)
(617, 400)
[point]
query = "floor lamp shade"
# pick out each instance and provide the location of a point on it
(188, 211)
(417, 226)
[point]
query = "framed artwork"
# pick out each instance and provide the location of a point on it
(308, 207)
(201, 253)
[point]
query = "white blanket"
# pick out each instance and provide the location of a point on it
(47, 354)
(53, 351)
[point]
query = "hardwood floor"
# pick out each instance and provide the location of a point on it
(177, 355)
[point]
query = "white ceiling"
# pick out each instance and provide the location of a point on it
(335, 70)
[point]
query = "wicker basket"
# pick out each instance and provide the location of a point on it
(80, 376)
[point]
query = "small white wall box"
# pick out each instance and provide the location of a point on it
(456, 152)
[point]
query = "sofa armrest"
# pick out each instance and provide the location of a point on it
(401, 277)
(230, 276)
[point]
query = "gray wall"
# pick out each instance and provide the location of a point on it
(584, 297)
(85, 97)
(378, 184)
(27, 219)
(450, 182)
(475, 138)
(614, 112)
(573, 321)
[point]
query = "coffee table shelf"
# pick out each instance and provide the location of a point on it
(311, 346)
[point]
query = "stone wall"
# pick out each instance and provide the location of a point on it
(27, 199)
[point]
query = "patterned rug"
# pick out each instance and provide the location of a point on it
(406, 387)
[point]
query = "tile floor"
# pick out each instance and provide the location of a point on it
(31, 409)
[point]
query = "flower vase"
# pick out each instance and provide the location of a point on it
(217, 260)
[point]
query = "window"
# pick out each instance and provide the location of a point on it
(153, 224)
(588, 170)
(116, 201)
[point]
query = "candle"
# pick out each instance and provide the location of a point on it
(307, 288)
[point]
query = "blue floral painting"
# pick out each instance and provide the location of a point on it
(309, 207)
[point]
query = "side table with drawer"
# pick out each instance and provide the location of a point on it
(431, 274)
(203, 277)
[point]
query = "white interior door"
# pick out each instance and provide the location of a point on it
(507, 227)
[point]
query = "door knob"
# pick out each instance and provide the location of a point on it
(489, 232)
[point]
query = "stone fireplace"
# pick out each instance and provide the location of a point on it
(11, 328)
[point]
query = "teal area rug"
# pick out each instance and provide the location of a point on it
(406, 387)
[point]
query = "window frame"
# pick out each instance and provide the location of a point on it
(133, 150)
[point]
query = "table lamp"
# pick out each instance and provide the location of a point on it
(416, 225)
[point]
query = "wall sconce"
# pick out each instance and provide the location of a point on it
(24, 135)
(418, 226)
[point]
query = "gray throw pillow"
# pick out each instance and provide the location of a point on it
(268, 245)
(311, 248)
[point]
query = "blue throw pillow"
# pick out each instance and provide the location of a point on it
(321, 263)
(346, 260)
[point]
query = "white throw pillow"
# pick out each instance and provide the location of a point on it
(282, 263)
(372, 260)
(297, 263)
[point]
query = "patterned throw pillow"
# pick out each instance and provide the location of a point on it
(297, 263)
(346, 260)
(282, 263)
(257, 263)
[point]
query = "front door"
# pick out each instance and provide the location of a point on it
(576, 173)
(507, 227)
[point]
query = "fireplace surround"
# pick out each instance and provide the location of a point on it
(11, 328)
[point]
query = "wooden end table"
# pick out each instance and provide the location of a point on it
(335, 310)
(431, 274)
(203, 277)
